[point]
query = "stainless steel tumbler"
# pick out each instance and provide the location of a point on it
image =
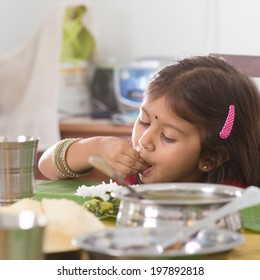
(17, 168)
(22, 236)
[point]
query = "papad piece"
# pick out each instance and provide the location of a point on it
(67, 220)
(23, 205)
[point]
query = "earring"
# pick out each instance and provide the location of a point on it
(205, 168)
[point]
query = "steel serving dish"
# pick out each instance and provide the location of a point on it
(134, 243)
(177, 204)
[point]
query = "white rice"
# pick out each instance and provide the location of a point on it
(98, 190)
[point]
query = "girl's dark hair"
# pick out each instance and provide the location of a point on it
(200, 90)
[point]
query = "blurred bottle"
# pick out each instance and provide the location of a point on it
(77, 67)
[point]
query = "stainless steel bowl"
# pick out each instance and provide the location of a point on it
(177, 204)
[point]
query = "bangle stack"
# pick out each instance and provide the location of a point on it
(59, 159)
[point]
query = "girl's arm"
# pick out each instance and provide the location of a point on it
(117, 152)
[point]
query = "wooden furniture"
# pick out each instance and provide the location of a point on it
(248, 64)
(85, 127)
(246, 251)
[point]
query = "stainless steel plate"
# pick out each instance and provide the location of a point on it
(132, 243)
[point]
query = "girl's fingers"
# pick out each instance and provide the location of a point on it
(126, 167)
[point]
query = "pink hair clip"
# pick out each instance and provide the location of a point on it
(227, 127)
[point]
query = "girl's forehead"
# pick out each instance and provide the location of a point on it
(156, 104)
(174, 103)
(158, 108)
(159, 114)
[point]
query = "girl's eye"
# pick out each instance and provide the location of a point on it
(142, 123)
(167, 139)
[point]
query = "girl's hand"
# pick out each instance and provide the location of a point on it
(121, 156)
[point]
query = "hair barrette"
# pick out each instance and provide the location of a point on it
(227, 127)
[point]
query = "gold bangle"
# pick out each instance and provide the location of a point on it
(55, 157)
(62, 155)
(59, 159)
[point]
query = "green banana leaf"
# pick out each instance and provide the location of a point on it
(60, 189)
(251, 218)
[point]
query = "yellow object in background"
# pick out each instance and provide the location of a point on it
(78, 43)
(77, 51)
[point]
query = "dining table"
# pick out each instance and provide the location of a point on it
(249, 249)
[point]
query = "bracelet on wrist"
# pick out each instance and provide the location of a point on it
(59, 159)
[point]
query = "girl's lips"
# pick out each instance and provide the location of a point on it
(147, 171)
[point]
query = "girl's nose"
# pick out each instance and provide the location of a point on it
(146, 143)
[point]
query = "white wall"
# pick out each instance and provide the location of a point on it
(19, 20)
(132, 28)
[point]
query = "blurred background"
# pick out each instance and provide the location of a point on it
(132, 28)
(60, 70)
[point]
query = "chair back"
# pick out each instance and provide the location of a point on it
(247, 64)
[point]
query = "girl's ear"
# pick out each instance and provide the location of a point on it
(207, 164)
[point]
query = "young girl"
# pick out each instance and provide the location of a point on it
(199, 122)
